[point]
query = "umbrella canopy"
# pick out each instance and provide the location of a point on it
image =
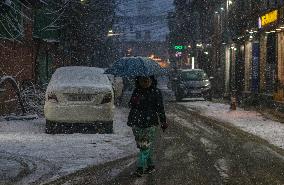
(136, 66)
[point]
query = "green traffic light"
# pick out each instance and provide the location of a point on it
(179, 47)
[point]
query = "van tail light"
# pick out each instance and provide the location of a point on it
(107, 98)
(52, 98)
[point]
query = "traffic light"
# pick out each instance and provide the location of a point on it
(180, 47)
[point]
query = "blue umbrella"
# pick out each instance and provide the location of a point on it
(136, 66)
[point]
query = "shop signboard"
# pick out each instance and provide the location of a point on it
(268, 18)
(255, 66)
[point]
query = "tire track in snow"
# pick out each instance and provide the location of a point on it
(182, 121)
(191, 157)
(210, 147)
(35, 170)
(222, 167)
(140, 181)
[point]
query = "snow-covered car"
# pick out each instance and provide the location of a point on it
(117, 83)
(79, 99)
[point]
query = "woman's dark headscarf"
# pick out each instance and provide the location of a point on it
(153, 85)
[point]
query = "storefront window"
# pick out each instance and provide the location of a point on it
(248, 70)
(280, 57)
(263, 51)
(272, 3)
(271, 63)
(263, 4)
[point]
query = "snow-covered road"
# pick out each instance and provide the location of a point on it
(26, 149)
(249, 121)
(47, 157)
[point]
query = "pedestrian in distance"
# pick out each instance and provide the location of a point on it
(146, 114)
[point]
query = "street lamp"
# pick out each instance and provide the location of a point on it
(83, 1)
(111, 33)
(230, 2)
(199, 45)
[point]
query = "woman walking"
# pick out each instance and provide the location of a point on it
(147, 111)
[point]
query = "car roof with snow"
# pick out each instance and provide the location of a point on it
(79, 75)
(80, 69)
(188, 70)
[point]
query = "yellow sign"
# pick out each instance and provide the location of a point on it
(269, 18)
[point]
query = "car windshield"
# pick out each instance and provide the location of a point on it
(193, 75)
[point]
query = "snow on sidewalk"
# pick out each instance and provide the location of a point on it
(66, 152)
(249, 121)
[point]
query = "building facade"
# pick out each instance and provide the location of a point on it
(245, 45)
(142, 27)
(26, 54)
(258, 47)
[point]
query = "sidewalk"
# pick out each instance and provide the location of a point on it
(264, 104)
(250, 121)
(271, 113)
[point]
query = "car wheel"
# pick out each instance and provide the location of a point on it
(108, 128)
(208, 97)
(98, 128)
(50, 127)
(178, 96)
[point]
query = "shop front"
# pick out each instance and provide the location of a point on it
(228, 62)
(252, 66)
(280, 62)
(248, 61)
(240, 68)
(248, 64)
(229, 67)
(272, 54)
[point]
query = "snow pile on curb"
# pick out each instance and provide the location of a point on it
(249, 121)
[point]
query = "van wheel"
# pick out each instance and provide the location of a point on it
(50, 127)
